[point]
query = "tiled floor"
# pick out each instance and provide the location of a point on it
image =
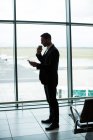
(26, 125)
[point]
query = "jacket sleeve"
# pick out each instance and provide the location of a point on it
(39, 57)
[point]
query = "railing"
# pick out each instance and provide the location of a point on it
(22, 102)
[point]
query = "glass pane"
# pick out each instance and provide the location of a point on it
(6, 63)
(82, 11)
(6, 9)
(29, 85)
(40, 10)
(82, 43)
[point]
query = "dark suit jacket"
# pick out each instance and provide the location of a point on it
(49, 66)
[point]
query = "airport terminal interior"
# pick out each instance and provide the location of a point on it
(22, 99)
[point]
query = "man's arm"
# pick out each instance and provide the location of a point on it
(38, 53)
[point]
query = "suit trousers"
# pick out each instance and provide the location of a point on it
(50, 91)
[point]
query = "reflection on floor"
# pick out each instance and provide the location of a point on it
(26, 125)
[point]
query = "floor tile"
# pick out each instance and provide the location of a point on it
(32, 137)
(19, 114)
(79, 138)
(27, 130)
(5, 138)
(2, 115)
(4, 127)
(62, 135)
(3, 122)
(21, 120)
(5, 134)
(24, 126)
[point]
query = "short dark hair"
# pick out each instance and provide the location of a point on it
(46, 35)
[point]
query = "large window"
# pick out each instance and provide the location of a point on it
(21, 24)
(82, 60)
(82, 11)
(28, 77)
(6, 10)
(25, 38)
(82, 47)
(6, 63)
(40, 10)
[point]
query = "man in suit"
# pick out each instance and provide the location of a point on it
(48, 76)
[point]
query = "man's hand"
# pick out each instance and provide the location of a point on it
(39, 49)
(34, 64)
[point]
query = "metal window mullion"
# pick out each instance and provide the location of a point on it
(69, 49)
(15, 55)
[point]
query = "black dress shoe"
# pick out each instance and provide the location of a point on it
(52, 127)
(46, 121)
